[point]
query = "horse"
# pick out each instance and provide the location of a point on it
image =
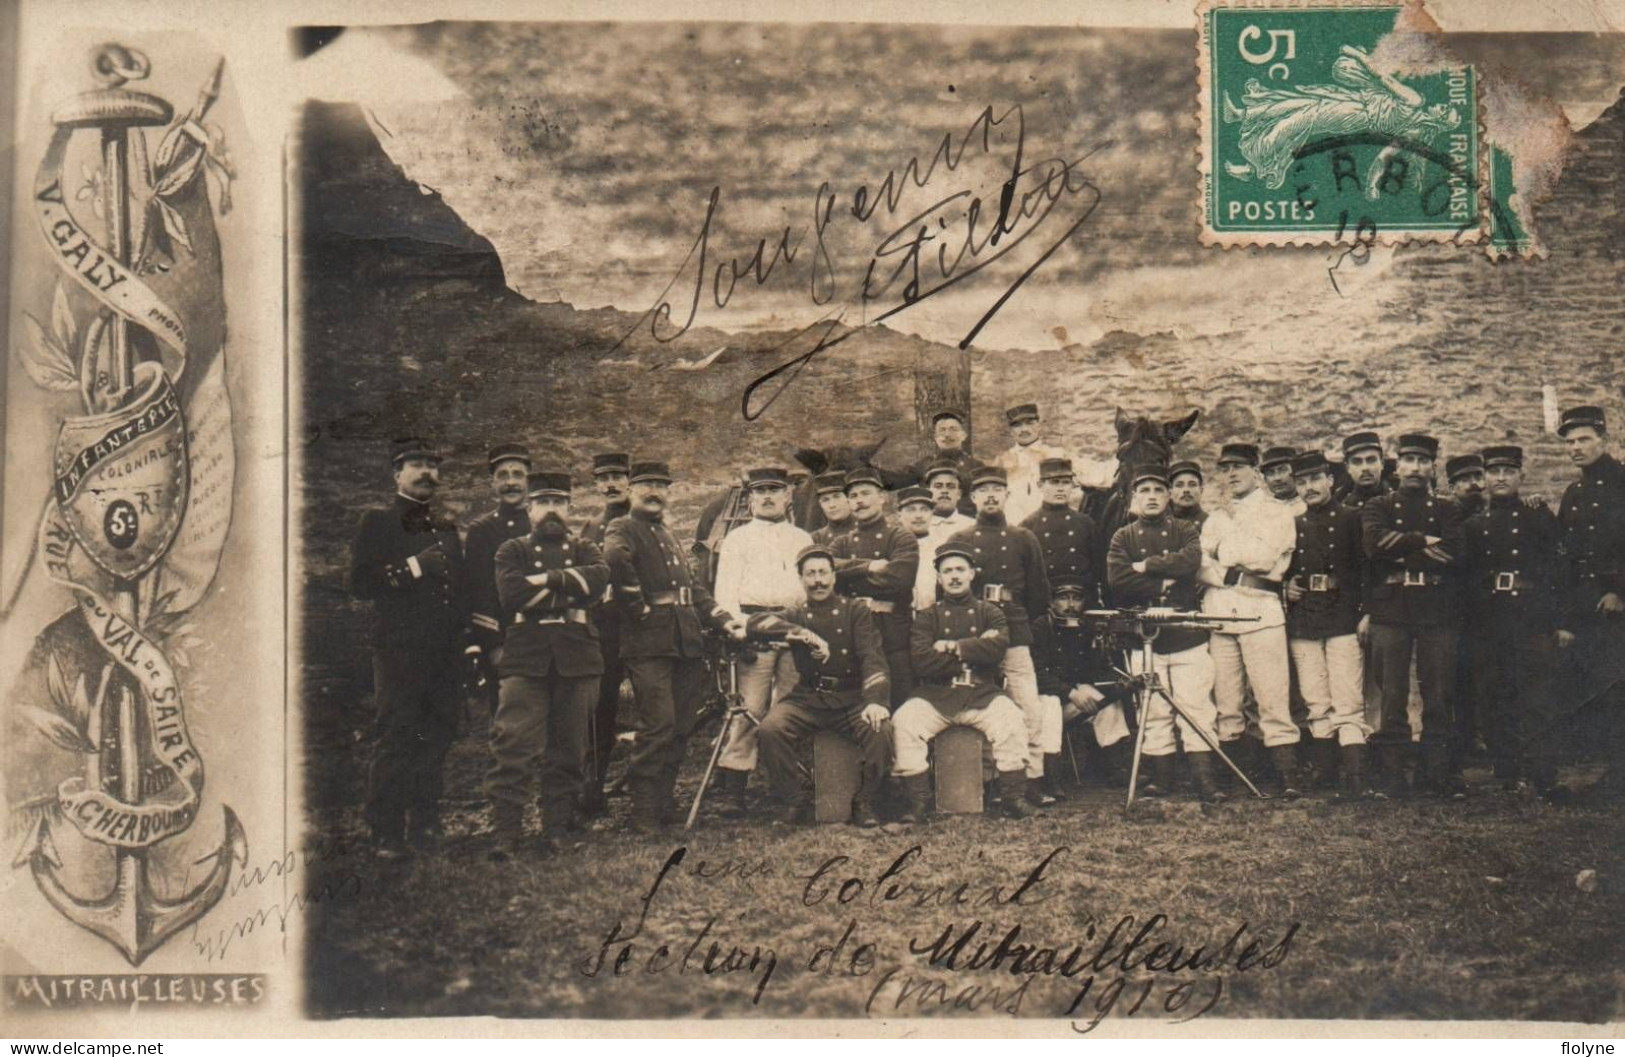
(1140, 440)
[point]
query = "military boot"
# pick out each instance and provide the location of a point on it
(648, 807)
(1285, 759)
(734, 786)
(1012, 788)
(507, 834)
(1161, 782)
(1351, 761)
(1207, 788)
(1054, 787)
(916, 798)
(1324, 780)
(1393, 761)
(863, 812)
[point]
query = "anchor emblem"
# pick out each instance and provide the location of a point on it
(120, 494)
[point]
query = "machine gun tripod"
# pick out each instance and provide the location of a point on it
(1143, 626)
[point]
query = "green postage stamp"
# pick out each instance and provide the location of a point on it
(1318, 126)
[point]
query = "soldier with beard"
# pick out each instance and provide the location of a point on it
(551, 664)
(408, 561)
(609, 476)
(509, 464)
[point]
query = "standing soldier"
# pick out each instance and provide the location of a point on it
(1413, 540)
(1511, 572)
(1010, 573)
(947, 488)
(1246, 549)
(509, 464)
(756, 573)
(1022, 463)
(1325, 624)
(610, 471)
(662, 610)
(957, 646)
(408, 561)
(1362, 457)
(1153, 561)
(830, 490)
(1465, 474)
(1592, 519)
(948, 435)
(1185, 491)
(841, 685)
(1276, 468)
(1066, 537)
(876, 560)
(551, 663)
(915, 512)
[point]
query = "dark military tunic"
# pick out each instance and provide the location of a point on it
(966, 622)
(650, 570)
(607, 617)
(1393, 528)
(418, 607)
(1329, 564)
(1195, 515)
(892, 590)
(855, 673)
(1171, 548)
(1065, 654)
(1592, 523)
(485, 534)
(1068, 540)
(550, 633)
(1355, 498)
(827, 533)
(1009, 560)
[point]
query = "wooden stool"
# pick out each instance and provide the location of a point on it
(956, 763)
(837, 771)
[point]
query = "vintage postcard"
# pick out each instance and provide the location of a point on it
(1096, 520)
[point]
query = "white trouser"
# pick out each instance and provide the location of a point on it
(1331, 678)
(1110, 726)
(1021, 683)
(761, 683)
(1187, 677)
(918, 721)
(1257, 659)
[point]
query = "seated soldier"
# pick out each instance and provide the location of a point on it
(842, 686)
(1069, 669)
(957, 647)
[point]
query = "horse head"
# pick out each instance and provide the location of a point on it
(1142, 439)
(843, 457)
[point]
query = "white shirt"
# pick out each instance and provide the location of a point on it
(1258, 535)
(756, 566)
(925, 579)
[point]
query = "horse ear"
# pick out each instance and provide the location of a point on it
(1123, 423)
(1173, 429)
(866, 454)
(814, 460)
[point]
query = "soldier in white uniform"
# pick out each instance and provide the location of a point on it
(1246, 549)
(1021, 462)
(756, 574)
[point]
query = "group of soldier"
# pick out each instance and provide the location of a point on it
(1334, 594)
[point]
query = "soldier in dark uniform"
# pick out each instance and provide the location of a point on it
(1069, 667)
(1362, 458)
(842, 686)
(1511, 571)
(662, 611)
(551, 662)
(509, 464)
(610, 471)
(1185, 491)
(1326, 625)
(1413, 540)
(948, 435)
(830, 491)
(1067, 538)
(957, 645)
(1592, 520)
(876, 560)
(408, 561)
(1465, 475)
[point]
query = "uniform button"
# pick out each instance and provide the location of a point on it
(538, 565)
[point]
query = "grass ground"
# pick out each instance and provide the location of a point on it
(1409, 909)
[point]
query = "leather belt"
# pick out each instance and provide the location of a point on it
(830, 684)
(1506, 583)
(996, 593)
(753, 610)
(1414, 578)
(1242, 578)
(683, 596)
(879, 605)
(559, 616)
(1319, 582)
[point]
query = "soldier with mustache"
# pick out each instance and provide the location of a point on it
(610, 472)
(509, 464)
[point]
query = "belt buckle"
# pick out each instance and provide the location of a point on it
(1319, 582)
(825, 684)
(992, 592)
(1506, 581)
(964, 678)
(550, 620)
(1415, 578)
(685, 596)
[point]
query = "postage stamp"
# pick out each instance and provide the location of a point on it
(1316, 130)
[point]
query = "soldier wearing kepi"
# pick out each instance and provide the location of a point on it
(662, 612)
(1362, 458)
(1276, 467)
(830, 491)
(876, 560)
(1592, 519)
(1022, 463)
(1010, 573)
(610, 476)
(1246, 549)
(948, 436)
(408, 561)
(841, 685)
(1465, 474)
(947, 487)
(915, 513)
(1069, 667)
(551, 664)
(509, 464)
(1511, 573)
(1185, 491)
(1067, 538)
(957, 646)
(756, 573)
(1325, 624)
(1413, 540)
(1153, 561)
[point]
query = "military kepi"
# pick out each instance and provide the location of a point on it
(1149, 472)
(1274, 457)
(1586, 415)
(1361, 441)
(865, 475)
(825, 483)
(501, 453)
(1189, 466)
(815, 550)
(913, 494)
(654, 472)
(767, 477)
(1460, 465)
(953, 550)
(1238, 454)
(1055, 470)
(1418, 444)
(413, 448)
(988, 475)
(1503, 455)
(1021, 413)
(545, 483)
(1306, 463)
(611, 462)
